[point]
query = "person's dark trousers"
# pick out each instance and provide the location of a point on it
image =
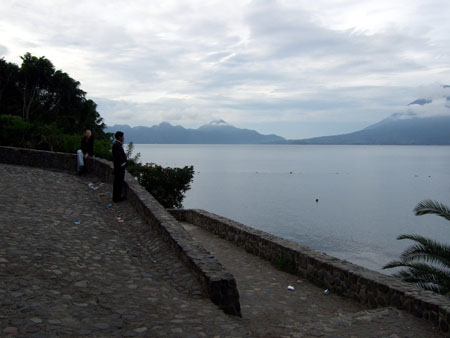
(119, 176)
(86, 166)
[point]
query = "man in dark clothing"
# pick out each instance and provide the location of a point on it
(120, 163)
(87, 149)
(87, 144)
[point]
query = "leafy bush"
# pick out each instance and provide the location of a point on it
(167, 185)
(102, 148)
(15, 132)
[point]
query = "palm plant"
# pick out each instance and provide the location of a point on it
(427, 262)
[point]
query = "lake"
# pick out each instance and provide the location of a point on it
(366, 194)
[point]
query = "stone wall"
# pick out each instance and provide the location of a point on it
(365, 286)
(218, 284)
(37, 158)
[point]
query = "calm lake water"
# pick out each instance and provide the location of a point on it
(366, 193)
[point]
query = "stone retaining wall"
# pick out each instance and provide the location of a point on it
(37, 158)
(365, 286)
(218, 284)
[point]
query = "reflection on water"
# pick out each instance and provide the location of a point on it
(365, 194)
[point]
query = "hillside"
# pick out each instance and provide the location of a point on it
(425, 122)
(412, 131)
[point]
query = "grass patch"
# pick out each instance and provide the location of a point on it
(250, 251)
(221, 236)
(285, 264)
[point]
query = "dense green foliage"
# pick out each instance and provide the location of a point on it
(285, 264)
(43, 108)
(15, 132)
(38, 93)
(167, 185)
(427, 262)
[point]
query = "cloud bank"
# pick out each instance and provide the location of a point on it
(435, 101)
(287, 67)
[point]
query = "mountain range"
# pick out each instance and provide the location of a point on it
(216, 132)
(398, 129)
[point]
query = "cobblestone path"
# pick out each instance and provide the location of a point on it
(269, 309)
(70, 267)
(96, 278)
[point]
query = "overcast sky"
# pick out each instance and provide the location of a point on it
(295, 68)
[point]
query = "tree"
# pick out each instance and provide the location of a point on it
(9, 94)
(36, 74)
(43, 96)
(427, 262)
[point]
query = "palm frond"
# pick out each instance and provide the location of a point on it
(426, 250)
(420, 271)
(427, 262)
(394, 264)
(432, 207)
(432, 287)
(428, 273)
(410, 276)
(424, 276)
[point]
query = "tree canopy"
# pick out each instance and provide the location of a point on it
(40, 94)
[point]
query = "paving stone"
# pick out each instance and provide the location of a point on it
(101, 326)
(81, 284)
(33, 329)
(36, 320)
(118, 323)
(17, 322)
(85, 332)
(10, 330)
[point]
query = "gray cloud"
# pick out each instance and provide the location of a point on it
(269, 63)
(3, 50)
(439, 105)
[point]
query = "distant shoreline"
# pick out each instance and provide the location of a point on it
(293, 144)
(413, 131)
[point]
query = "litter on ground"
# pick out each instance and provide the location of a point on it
(92, 186)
